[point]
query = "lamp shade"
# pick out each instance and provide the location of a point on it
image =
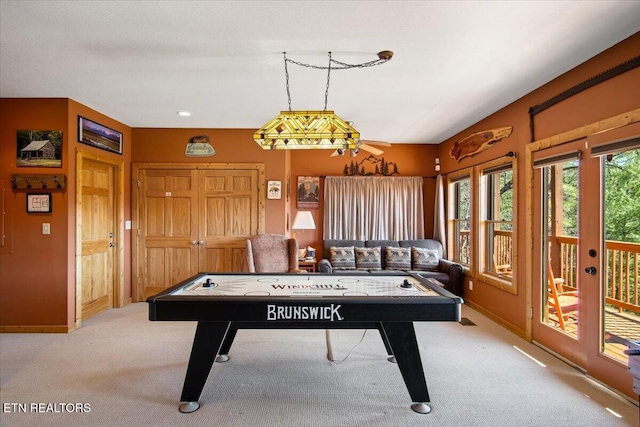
(295, 130)
(303, 221)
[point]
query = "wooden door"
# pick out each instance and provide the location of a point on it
(168, 228)
(98, 231)
(195, 219)
(228, 216)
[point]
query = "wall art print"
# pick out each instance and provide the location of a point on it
(92, 133)
(39, 148)
(308, 193)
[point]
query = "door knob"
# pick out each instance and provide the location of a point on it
(202, 242)
(111, 244)
(590, 270)
(194, 242)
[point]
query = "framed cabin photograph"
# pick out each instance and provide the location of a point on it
(92, 133)
(39, 148)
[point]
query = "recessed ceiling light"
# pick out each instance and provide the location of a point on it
(184, 113)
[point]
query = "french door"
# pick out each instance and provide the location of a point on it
(563, 291)
(584, 294)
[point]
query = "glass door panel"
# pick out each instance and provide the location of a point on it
(560, 289)
(622, 252)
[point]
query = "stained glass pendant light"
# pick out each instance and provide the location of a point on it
(320, 129)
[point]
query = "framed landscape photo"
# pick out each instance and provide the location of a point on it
(39, 148)
(92, 133)
(38, 202)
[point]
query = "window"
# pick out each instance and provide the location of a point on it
(460, 207)
(497, 204)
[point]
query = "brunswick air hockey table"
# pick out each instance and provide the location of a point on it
(224, 303)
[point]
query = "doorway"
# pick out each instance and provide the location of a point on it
(99, 234)
(584, 262)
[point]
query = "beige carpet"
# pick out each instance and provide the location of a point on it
(128, 371)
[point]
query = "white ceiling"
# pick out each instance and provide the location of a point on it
(455, 62)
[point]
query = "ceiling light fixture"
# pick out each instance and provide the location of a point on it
(292, 130)
(184, 113)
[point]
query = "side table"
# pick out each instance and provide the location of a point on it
(307, 264)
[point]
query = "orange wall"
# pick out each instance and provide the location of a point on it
(44, 295)
(613, 97)
(167, 145)
(37, 272)
(411, 160)
(153, 145)
(33, 266)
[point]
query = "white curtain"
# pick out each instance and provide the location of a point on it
(373, 208)
(439, 219)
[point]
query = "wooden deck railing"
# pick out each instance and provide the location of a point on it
(622, 266)
(622, 271)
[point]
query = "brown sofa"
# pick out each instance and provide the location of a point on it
(447, 272)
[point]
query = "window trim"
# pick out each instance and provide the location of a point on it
(453, 178)
(501, 282)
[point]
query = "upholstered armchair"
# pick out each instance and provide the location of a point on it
(272, 253)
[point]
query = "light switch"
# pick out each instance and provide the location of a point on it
(46, 228)
(127, 225)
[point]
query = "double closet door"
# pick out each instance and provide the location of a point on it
(193, 219)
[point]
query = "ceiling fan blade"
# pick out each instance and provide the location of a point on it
(383, 143)
(335, 153)
(372, 150)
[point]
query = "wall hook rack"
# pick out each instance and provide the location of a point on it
(38, 182)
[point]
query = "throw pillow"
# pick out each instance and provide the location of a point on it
(342, 258)
(425, 259)
(397, 258)
(369, 258)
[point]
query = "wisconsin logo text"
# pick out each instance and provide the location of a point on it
(303, 312)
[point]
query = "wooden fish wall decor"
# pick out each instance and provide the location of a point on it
(478, 142)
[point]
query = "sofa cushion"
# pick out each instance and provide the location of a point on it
(424, 259)
(397, 258)
(423, 243)
(334, 243)
(343, 257)
(368, 259)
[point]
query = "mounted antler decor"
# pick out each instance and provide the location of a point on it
(478, 142)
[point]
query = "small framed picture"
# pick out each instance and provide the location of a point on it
(102, 137)
(274, 190)
(38, 202)
(308, 193)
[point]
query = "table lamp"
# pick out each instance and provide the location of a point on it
(303, 221)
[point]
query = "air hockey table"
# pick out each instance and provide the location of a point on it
(224, 303)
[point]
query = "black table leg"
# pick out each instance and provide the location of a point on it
(223, 354)
(402, 338)
(206, 343)
(387, 346)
